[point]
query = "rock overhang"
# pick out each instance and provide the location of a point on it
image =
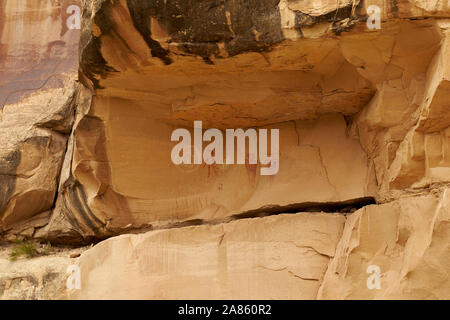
(275, 77)
(345, 99)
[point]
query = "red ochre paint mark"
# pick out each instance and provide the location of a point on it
(251, 171)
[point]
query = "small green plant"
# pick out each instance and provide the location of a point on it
(23, 248)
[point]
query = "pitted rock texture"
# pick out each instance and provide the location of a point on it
(37, 279)
(364, 163)
(43, 277)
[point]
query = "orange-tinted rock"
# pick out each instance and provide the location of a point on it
(362, 114)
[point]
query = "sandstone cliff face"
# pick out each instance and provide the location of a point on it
(38, 64)
(245, 259)
(364, 145)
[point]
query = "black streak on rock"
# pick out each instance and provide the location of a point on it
(141, 12)
(336, 16)
(8, 169)
(348, 206)
(394, 8)
(198, 26)
(91, 60)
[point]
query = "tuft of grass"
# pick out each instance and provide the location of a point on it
(27, 249)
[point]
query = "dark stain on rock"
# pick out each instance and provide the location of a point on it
(141, 12)
(303, 19)
(77, 198)
(198, 26)
(53, 46)
(8, 169)
(40, 142)
(72, 203)
(85, 227)
(9, 175)
(49, 277)
(335, 17)
(92, 63)
(394, 8)
(205, 28)
(346, 207)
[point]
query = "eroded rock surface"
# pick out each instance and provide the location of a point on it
(364, 138)
(43, 277)
(38, 94)
(37, 279)
(363, 90)
(278, 257)
(407, 239)
(295, 256)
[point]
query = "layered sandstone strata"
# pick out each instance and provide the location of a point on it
(277, 257)
(363, 119)
(298, 256)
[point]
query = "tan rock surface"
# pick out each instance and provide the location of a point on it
(408, 239)
(38, 279)
(294, 83)
(363, 116)
(32, 135)
(122, 195)
(278, 257)
(283, 257)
